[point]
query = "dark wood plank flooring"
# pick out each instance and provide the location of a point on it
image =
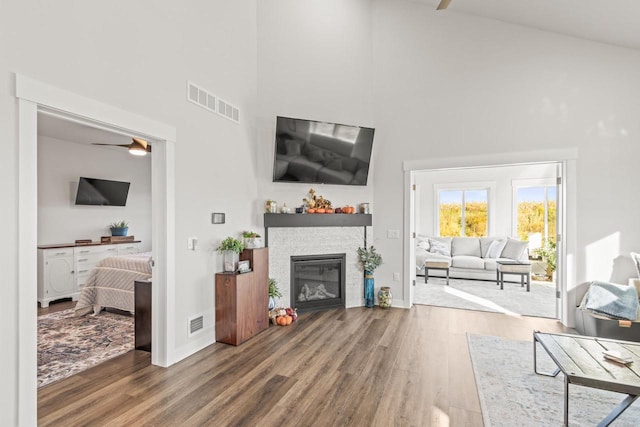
(360, 367)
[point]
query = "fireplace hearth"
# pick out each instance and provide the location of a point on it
(318, 282)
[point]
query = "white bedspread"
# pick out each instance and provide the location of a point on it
(111, 283)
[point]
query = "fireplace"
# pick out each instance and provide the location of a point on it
(318, 282)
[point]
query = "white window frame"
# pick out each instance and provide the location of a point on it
(517, 184)
(489, 186)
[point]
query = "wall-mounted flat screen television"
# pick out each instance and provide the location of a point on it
(102, 192)
(319, 152)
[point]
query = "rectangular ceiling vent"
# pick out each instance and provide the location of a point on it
(196, 324)
(207, 100)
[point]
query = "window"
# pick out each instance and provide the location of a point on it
(463, 213)
(536, 214)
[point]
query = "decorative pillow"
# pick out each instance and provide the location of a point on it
(439, 247)
(316, 156)
(293, 147)
(514, 249)
(636, 261)
(495, 248)
(422, 242)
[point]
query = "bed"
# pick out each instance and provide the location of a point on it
(110, 283)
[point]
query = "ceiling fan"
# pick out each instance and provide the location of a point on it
(138, 147)
(443, 4)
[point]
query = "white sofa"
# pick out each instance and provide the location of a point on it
(470, 257)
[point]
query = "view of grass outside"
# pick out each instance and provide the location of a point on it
(537, 212)
(463, 209)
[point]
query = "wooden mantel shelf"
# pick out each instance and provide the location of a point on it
(316, 220)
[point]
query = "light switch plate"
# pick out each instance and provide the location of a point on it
(192, 243)
(393, 234)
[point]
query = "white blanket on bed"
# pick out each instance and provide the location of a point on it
(111, 283)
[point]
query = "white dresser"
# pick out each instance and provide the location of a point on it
(64, 269)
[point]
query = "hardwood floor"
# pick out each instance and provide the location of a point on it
(361, 367)
(56, 306)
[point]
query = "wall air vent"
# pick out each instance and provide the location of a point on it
(207, 100)
(196, 324)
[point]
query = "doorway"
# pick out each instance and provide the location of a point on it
(565, 159)
(33, 97)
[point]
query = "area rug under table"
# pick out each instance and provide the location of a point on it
(68, 344)
(511, 394)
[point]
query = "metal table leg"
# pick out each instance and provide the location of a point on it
(618, 410)
(426, 274)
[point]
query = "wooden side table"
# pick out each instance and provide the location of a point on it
(142, 297)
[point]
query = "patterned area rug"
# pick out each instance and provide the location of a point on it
(486, 296)
(68, 344)
(511, 394)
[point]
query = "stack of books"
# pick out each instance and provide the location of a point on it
(618, 357)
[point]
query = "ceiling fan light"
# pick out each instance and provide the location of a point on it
(138, 147)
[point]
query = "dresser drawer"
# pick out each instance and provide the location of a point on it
(57, 253)
(128, 248)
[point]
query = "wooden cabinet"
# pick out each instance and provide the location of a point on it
(55, 275)
(142, 297)
(242, 300)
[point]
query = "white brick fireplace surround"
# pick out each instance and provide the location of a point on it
(287, 241)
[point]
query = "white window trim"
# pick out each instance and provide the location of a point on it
(517, 184)
(490, 186)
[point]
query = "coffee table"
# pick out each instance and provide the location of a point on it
(523, 268)
(436, 265)
(581, 361)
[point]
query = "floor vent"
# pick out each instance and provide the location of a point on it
(196, 324)
(207, 100)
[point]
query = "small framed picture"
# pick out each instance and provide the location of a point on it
(243, 266)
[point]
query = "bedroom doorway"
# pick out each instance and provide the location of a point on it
(33, 97)
(563, 164)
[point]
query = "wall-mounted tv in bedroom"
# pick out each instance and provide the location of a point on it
(319, 152)
(93, 191)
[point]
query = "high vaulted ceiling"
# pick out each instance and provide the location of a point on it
(614, 22)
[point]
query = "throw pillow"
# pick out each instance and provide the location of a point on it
(495, 248)
(439, 247)
(636, 261)
(293, 147)
(335, 164)
(316, 156)
(514, 249)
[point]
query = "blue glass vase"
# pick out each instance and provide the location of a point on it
(368, 289)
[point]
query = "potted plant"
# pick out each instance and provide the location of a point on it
(252, 240)
(370, 260)
(119, 228)
(274, 292)
(549, 256)
(230, 249)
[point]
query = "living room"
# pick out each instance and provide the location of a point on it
(452, 87)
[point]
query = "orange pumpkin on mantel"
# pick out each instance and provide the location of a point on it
(311, 210)
(329, 210)
(320, 210)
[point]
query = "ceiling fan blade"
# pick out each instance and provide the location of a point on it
(443, 4)
(110, 145)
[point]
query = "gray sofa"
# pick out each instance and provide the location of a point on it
(470, 257)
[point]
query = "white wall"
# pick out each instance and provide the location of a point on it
(450, 85)
(501, 180)
(61, 163)
(314, 62)
(138, 56)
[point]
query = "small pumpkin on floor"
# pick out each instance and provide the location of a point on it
(283, 316)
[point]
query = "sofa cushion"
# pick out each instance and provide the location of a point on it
(514, 249)
(495, 248)
(441, 245)
(465, 246)
(466, 261)
(484, 245)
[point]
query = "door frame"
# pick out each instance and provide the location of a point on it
(34, 96)
(567, 158)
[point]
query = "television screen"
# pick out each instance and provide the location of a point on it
(319, 152)
(93, 191)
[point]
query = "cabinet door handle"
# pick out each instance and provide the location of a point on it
(111, 249)
(84, 252)
(82, 271)
(83, 259)
(60, 253)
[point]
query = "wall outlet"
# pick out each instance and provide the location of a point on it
(393, 234)
(192, 243)
(396, 277)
